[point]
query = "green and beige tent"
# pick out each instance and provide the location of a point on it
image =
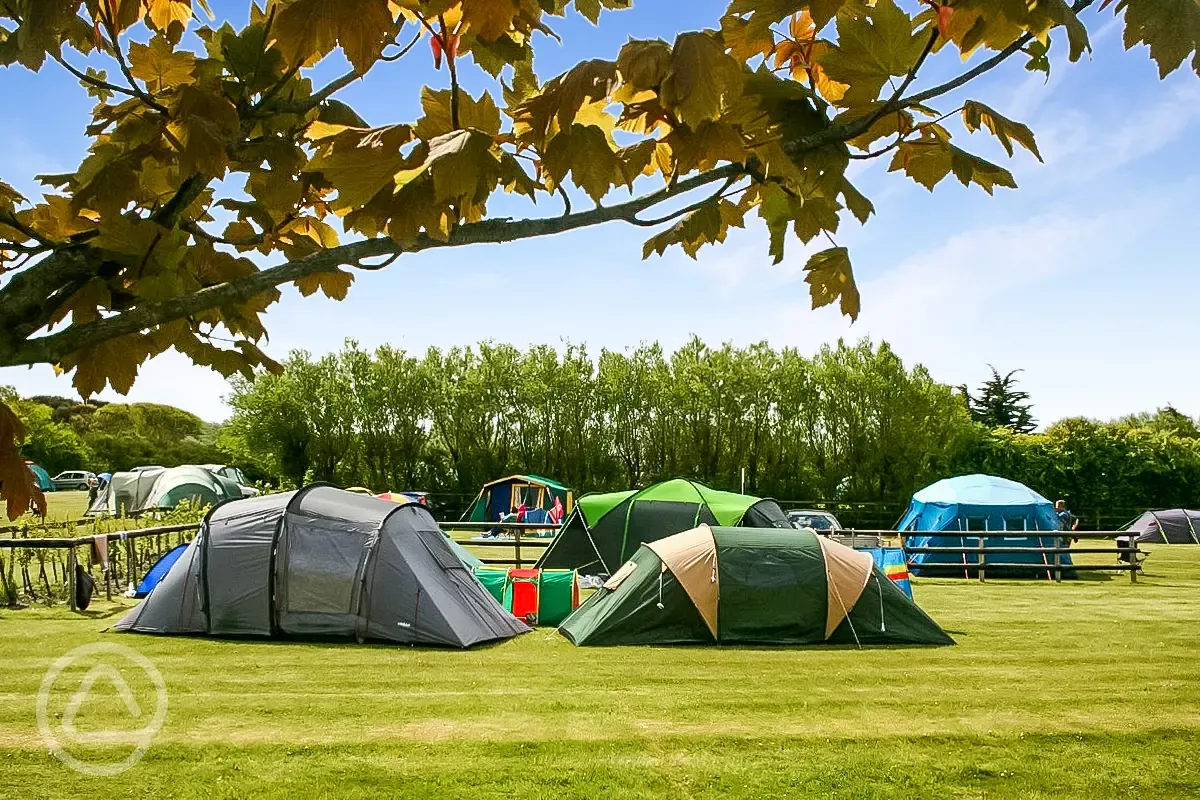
(732, 585)
(606, 529)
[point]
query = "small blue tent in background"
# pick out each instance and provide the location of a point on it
(40, 477)
(979, 503)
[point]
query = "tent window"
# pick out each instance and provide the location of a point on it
(435, 543)
(977, 523)
(620, 575)
(528, 495)
(1014, 524)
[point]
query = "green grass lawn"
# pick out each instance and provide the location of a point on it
(1088, 689)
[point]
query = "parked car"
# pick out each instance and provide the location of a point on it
(234, 474)
(820, 521)
(73, 480)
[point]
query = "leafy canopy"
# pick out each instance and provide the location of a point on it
(203, 157)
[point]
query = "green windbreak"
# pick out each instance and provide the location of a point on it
(649, 607)
(885, 615)
(773, 586)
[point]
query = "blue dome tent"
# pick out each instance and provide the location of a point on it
(979, 503)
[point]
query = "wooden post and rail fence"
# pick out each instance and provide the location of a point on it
(972, 557)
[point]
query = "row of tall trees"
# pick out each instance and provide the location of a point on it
(851, 421)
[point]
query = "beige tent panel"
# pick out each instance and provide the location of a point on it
(620, 575)
(847, 572)
(692, 558)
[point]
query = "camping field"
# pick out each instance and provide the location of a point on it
(1085, 689)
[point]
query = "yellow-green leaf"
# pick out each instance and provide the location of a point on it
(585, 152)
(701, 79)
(159, 65)
(830, 277)
(1170, 28)
(977, 115)
(870, 49)
(643, 64)
(334, 284)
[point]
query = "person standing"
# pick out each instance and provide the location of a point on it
(1066, 520)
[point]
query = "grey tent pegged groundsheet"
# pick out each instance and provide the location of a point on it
(323, 562)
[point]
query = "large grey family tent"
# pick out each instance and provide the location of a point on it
(158, 488)
(732, 585)
(1170, 526)
(323, 562)
(957, 511)
(606, 529)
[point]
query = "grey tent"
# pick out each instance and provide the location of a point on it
(1171, 526)
(323, 562)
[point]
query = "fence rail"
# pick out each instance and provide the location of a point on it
(1128, 554)
(71, 543)
(517, 541)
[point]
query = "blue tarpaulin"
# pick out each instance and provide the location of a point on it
(1010, 511)
(890, 561)
(159, 570)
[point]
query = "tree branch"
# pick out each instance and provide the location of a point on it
(90, 80)
(649, 223)
(53, 348)
(983, 66)
(138, 92)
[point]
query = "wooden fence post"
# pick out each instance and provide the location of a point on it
(517, 546)
(1058, 561)
(71, 577)
(129, 565)
(1133, 558)
(982, 558)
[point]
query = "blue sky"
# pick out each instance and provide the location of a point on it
(1085, 277)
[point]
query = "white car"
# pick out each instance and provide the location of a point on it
(820, 521)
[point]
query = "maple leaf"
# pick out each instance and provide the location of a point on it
(204, 123)
(870, 49)
(113, 362)
(169, 17)
(16, 480)
(1170, 28)
(461, 166)
(830, 277)
(306, 30)
(977, 115)
(584, 151)
(481, 114)
(159, 65)
(490, 19)
(335, 284)
(359, 163)
(931, 158)
(556, 105)
(644, 64)
(708, 224)
(702, 76)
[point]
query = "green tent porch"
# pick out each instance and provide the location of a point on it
(606, 529)
(732, 585)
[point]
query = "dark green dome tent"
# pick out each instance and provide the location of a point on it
(322, 562)
(732, 585)
(606, 529)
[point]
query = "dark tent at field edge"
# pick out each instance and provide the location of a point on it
(713, 585)
(322, 562)
(606, 529)
(1168, 526)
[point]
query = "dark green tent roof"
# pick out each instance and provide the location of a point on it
(768, 586)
